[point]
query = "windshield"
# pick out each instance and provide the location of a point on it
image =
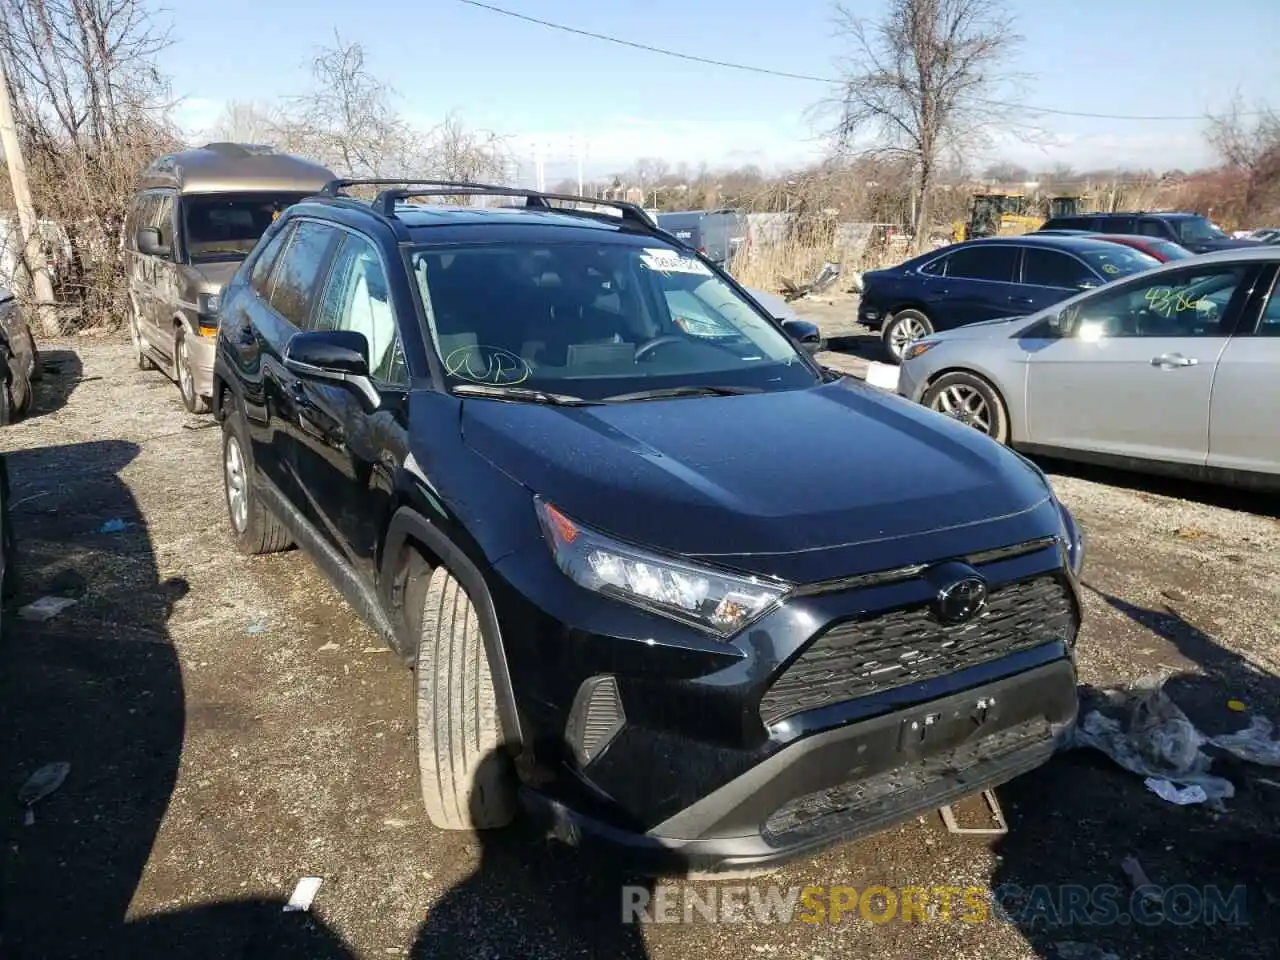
(227, 226)
(1169, 250)
(597, 320)
(1196, 229)
(1117, 261)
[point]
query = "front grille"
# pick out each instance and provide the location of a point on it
(857, 657)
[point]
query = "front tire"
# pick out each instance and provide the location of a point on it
(972, 400)
(904, 327)
(254, 528)
(468, 782)
(186, 378)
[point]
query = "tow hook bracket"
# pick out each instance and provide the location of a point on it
(997, 815)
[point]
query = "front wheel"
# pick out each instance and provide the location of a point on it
(903, 328)
(972, 400)
(468, 781)
(186, 378)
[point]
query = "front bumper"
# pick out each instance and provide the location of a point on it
(689, 750)
(853, 780)
(202, 351)
(913, 379)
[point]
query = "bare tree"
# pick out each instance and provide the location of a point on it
(922, 78)
(1249, 149)
(92, 110)
(453, 151)
(244, 121)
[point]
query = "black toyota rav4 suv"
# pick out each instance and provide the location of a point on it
(660, 576)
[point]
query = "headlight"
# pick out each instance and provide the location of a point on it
(207, 313)
(1072, 538)
(919, 348)
(714, 600)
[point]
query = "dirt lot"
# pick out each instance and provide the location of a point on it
(231, 727)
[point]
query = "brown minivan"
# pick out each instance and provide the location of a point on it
(196, 215)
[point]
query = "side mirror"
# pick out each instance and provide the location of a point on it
(805, 333)
(148, 242)
(338, 356)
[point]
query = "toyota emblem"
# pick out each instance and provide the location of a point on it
(961, 601)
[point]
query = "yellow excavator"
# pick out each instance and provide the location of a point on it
(1007, 215)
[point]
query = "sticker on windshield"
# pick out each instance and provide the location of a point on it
(492, 365)
(661, 260)
(1110, 268)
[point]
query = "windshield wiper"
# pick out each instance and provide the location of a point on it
(710, 391)
(519, 394)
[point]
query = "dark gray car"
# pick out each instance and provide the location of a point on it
(195, 217)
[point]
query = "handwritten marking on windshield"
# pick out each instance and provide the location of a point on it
(482, 364)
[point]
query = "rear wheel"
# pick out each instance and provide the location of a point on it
(468, 780)
(904, 327)
(186, 379)
(970, 399)
(254, 528)
(135, 334)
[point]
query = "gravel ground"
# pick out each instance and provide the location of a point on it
(231, 727)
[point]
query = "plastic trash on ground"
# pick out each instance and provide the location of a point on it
(46, 608)
(1254, 744)
(39, 785)
(1152, 737)
(303, 894)
(1182, 796)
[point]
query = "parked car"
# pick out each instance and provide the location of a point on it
(1176, 370)
(20, 363)
(1198, 234)
(195, 217)
(716, 234)
(985, 279)
(1162, 250)
(8, 574)
(1265, 235)
(584, 515)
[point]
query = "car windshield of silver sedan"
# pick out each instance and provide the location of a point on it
(559, 322)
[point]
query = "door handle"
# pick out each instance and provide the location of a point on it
(1170, 360)
(1023, 301)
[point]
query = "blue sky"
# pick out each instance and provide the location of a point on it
(1106, 56)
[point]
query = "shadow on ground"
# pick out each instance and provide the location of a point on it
(62, 372)
(99, 686)
(868, 346)
(1073, 822)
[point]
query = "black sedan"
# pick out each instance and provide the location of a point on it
(984, 280)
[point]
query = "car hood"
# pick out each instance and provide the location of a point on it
(830, 468)
(1226, 243)
(982, 330)
(212, 277)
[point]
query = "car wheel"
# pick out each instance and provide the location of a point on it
(468, 780)
(8, 411)
(135, 334)
(186, 379)
(970, 399)
(902, 328)
(254, 528)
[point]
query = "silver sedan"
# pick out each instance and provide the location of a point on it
(1176, 369)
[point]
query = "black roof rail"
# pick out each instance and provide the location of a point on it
(385, 202)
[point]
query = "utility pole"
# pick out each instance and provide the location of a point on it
(28, 227)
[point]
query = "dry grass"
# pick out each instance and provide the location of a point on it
(769, 266)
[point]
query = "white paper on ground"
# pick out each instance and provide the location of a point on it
(882, 375)
(46, 608)
(303, 894)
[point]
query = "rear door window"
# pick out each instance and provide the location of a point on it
(1049, 268)
(300, 267)
(996, 262)
(1152, 228)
